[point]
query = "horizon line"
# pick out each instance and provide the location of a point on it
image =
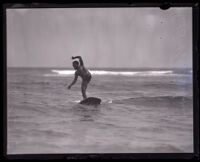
(101, 67)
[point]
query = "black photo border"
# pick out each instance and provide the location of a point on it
(163, 4)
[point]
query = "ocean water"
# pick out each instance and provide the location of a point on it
(142, 111)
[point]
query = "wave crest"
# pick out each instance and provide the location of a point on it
(124, 73)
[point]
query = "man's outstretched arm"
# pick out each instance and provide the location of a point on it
(74, 81)
(80, 59)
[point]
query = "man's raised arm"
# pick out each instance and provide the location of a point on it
(80, 59)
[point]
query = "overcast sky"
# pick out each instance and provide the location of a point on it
(104, 37)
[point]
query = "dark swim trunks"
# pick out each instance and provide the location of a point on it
(89, 78)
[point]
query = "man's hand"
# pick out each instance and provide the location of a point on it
(69, 86)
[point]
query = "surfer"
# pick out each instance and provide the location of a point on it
(83, 73)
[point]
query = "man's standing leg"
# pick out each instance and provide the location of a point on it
(83, 89)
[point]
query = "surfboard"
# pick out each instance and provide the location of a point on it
(91, 101)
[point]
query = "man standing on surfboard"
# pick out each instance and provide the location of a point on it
(83, 73)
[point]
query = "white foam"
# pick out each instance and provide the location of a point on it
(77, 101)
(64, 72)
(125, 73)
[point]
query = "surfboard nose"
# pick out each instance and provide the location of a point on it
(91, 101)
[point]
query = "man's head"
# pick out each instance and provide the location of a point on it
(75, 65)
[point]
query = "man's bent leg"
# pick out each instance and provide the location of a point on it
(83, 89)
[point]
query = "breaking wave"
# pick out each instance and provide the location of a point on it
(103, 72)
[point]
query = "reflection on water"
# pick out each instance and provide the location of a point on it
(86, 113)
